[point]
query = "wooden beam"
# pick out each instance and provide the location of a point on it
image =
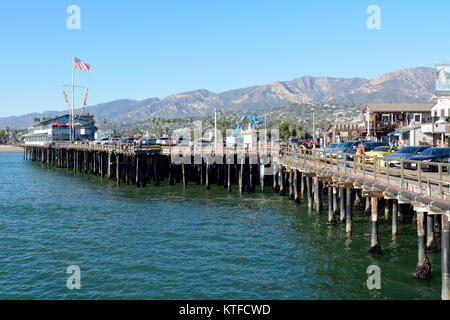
(345, 185)
(325, 178)
(372, 194)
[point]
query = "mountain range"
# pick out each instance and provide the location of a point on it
(415, 85)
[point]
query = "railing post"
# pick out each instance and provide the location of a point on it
(402, 173)
(387, 169)
(419, 175)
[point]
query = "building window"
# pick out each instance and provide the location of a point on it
(417, 118)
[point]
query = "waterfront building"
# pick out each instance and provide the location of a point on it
(57, 129)
(437, 127)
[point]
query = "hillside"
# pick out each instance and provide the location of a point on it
(403, 86)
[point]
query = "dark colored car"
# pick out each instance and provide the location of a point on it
(293, 141)
(346, 147)
(405, 153)
(370, 145)
(331, 147)
(430, 155)
(147, 141)
(352, 146)
(128, 140)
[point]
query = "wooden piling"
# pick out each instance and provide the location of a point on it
(183, 172)
(387, 206)
(341, 205)
(317, 199)
(335, 203)
(291, 184)
(375, 247)
(394, 217)
(367, 211)
(241, 177)
(431, 246)
(348, 212)
(281, 180)
(118, 169)
(229, 177)
(423, 268)
(296, 195)
(207, 173)
(309, 192)
(331, 216)
(275, 174)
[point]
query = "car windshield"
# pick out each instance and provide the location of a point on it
(382, 149)
(408, 150)
(346, 144)
(433, 151)
(332, 146)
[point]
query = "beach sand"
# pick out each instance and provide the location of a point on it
(10, 148)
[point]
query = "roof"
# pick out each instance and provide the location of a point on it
(442, 103)
(401, 107)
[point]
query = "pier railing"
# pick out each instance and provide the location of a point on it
(424, 177)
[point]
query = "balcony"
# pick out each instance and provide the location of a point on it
(440, 126)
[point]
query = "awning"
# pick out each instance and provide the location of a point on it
(398, 133)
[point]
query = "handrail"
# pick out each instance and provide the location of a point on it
(408, 175)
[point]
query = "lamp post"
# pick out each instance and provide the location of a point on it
(313, 126)
(215, 125)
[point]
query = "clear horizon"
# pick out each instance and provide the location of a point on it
(144, 50)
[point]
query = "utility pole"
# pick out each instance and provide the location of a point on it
(313, 125)
(215, 126)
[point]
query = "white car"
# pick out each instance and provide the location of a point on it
(104, 141)
(166, 141)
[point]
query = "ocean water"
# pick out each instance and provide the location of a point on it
(193, 243)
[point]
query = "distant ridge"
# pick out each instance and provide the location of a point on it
(414, 85)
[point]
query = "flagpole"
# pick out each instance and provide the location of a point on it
(72, 133)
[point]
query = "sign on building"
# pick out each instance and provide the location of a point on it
(442, 79)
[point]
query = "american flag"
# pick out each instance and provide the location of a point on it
(77, 63)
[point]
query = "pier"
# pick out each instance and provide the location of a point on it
(384, 189)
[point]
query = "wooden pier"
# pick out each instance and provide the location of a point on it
(385, 185)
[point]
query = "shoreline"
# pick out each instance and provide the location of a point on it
(10, 148)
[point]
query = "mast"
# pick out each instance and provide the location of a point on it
(72, 133)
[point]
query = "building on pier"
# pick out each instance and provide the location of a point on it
(381, 122)
(57, 129)
(386, 118)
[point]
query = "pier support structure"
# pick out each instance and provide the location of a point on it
(423, 269)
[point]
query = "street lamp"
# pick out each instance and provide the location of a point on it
(215, 125)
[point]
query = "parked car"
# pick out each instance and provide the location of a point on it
(345, 147)
(165, 141)
(430, 155)
(105, 141)
(404, 153)
(147, 141)
(200, 143)
(326, 152)
(129, 140)
(378, 152)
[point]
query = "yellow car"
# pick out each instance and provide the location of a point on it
(378, 152)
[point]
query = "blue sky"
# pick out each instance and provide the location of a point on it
(140, 49)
